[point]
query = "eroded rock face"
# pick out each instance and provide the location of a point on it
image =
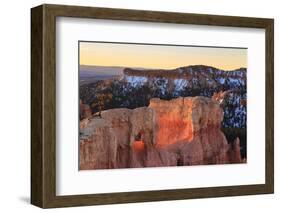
(182, 131)
(98, 150)
(234, 152)
(85, 110)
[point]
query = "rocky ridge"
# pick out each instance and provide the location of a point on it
(179, 132)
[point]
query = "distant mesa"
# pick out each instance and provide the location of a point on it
(183, 72)
(187, 72)
(180, 79)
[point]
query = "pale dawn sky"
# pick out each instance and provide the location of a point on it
(160, 56)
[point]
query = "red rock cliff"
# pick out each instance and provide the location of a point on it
(182, 131)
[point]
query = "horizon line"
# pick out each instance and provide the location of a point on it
(155, 68)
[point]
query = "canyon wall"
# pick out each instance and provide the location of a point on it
(179, 132)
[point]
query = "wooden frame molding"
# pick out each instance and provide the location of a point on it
(43, 105)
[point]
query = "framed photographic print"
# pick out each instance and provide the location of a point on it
(136, 106)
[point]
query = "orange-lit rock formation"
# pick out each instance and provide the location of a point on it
(182, 131)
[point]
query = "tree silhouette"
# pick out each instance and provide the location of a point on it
(102, 99)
